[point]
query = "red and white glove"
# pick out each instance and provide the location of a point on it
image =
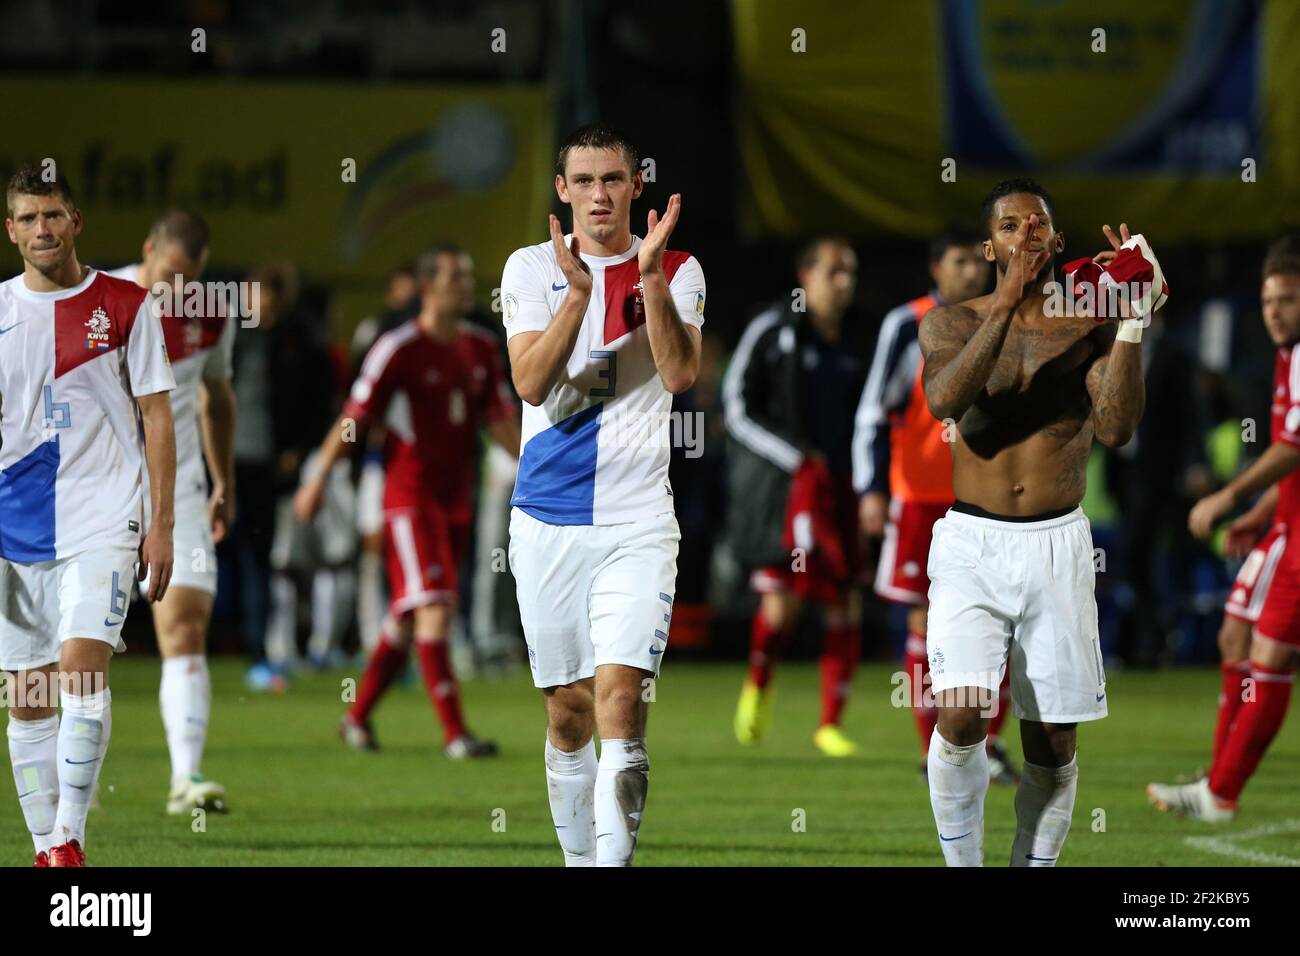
(1136, 263)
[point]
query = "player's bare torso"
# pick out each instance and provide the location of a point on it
(1022, 447)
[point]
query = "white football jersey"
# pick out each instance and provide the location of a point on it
(71, 446)
(596, 451)
(199, 347)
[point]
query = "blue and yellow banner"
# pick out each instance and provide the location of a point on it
(1180, 116)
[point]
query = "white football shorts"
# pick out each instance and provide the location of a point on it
(1024, 591)
(194, 556)
(45, 603)
(593, 594)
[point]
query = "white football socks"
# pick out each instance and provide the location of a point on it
(33, 751)
(82, 742)
(1044, 806)
(333, 605)
(282, 622)
(185, 699)
(571, 786)
(622, 780)
(959, 779)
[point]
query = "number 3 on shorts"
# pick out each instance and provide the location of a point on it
(609, 373)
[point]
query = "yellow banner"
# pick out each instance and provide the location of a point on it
(269, 165)
(1180, 116)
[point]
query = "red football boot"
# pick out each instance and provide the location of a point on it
(68, 854)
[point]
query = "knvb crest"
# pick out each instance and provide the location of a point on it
(97, 329)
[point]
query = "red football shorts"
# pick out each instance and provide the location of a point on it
(1279, 618)
(1246, 599)
(811, 580)
(424, 552)
(905, 551)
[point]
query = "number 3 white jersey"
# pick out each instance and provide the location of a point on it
(596, 451)
(200, 347)
(71, 363)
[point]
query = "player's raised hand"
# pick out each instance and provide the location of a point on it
(650, 257)
(1107, 256)
(570, 261)
(1024, 264)
(1117, 242)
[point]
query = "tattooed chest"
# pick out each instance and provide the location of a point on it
(1031, 355)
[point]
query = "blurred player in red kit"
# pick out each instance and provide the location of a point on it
(789, 395)
(902, 468)
(1260, 639)
(433, 382)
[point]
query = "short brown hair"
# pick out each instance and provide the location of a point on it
(1281, 264)
(426, 264)
(598, 136)
(808, 253)
(30, 180)
(183, 226)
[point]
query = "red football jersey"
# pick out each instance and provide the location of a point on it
(1286, 428)
(432, 397)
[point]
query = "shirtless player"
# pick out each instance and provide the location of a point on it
(1011, 565)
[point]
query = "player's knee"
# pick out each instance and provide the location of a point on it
(432, 623)
(622, 703)
(182, 637)
(779, 610)
(570, 715)
(961, 726)
(1048, 745)
(569, 702)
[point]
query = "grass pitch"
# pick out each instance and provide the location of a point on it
(299, 797)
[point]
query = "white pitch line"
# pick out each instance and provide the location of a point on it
(1224, 846)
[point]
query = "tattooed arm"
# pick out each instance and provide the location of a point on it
(957, 365)
(1117, 391)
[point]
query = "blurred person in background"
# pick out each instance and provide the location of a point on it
(699, 479)
(283, 386)
(317, 560)
(203, 409)
(434, 382)
(902, 468)
(789, 397)
(1159, 473)
(1260, 640)
(401, 304)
